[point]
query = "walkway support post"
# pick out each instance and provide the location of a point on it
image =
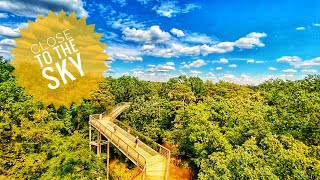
(108, 156)
(99, 144)
(89, 136)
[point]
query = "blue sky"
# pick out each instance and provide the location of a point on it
(245, 41)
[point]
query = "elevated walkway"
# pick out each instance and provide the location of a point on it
(153, 162)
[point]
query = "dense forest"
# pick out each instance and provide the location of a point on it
(222, 130)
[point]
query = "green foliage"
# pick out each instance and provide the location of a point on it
(42, 143)
(5, 70)
(295, 107)
(127, 88)
(225, 131)
(195, 84)
(229, 131)
(274, 157)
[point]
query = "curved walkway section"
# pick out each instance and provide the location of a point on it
(154, 164)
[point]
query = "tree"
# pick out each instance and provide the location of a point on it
(224, 130)
(126, 88)
(33, 142)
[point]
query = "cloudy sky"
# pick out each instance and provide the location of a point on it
(245, 41)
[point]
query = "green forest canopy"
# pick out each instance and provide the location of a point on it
(225, 130)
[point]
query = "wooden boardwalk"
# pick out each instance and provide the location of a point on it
(154, 164)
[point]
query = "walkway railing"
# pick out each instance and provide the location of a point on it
(166, 153)
(147, 143)
(115, 109)
(151, 147)
(124, 147)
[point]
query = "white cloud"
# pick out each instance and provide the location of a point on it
(241, 79)
(286, 76)
(281, 76)
(167, 9)
(169, 66)
(168, 48)
(5, 46)
(298, 62)
(228, 77)
(218, 68)
(153, 35)
(110, 71)
(244, 76)
(175, 50)
(144, 2)
(156, 77)
(7, 42)
(222, 47)
(148, 47)
(170, 63)
(223, 61)
(233, 65)
(189, 7)
(250, 40)
(309, 70)
(33, 8)
(289, 59)
(10, 32)
(177, 32)
(289, 70)
(23, 25)
(272, 69)
(184, 50)
(259, 62)
(195, 64)
(171, 8)
(151, 50)
(124, 22)
(308, 63)
(211, 75)
(246, 79)
(182, 72)
(157, 73)
(316, 24)
(195, 72)
(3, 15)
(102, 8)
(250, 61)
(126, 53)
(137, 72)
(110, 35)
(126, 57)
(198, 38)
(120, 2)
(300, 28)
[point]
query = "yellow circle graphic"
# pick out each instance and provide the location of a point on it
(59, 59)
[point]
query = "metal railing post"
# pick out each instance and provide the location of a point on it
(108, 156)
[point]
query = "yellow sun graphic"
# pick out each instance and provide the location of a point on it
(59, 59)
